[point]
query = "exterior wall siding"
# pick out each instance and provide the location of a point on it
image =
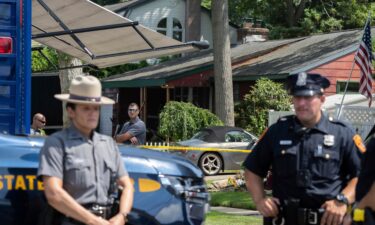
(150, 14)
(339, 70)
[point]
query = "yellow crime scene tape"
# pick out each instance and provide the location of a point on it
(178, 148)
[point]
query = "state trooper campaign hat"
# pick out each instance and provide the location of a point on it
(85, 90)
(306, 84)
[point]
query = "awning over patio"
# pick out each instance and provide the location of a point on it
(85, 30)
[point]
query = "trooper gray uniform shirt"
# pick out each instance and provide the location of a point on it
(85, 166)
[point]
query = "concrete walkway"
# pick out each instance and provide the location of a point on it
(242, 212)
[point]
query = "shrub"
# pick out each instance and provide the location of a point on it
(252, 112)
(180, 120)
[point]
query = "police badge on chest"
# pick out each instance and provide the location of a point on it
(328, 141)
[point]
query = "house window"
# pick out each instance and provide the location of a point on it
(353, 87)
(177, 30)
(162, 26)
(170, 27)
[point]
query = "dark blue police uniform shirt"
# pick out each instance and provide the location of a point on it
(326, 155)
(367, 175)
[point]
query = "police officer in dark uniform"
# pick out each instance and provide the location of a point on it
(364, 208)
(315, 161)
(80, 166)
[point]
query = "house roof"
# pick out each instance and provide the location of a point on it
(274, 59)
(125, 5)
(304, 55)
(193, 63)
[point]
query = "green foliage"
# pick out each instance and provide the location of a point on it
(40, 63)
(252, 112)
(317, 17)
(327, 16)
(237, 199)
(115, 70)
(180, 120)
(206, 4)
(219, 218)
(287, 32)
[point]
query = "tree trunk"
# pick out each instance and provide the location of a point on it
(65, 78)
(222, 62)
(295, 12)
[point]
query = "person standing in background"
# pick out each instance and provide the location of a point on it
(134, 131)
(39, 122)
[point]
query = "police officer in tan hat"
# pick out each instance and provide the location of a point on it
(315, 161)
(78, 165)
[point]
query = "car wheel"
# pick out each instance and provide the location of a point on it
(210, 163)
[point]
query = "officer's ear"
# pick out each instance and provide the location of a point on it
(322, 98)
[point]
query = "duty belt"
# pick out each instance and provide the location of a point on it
(103, 211)
(298, 216)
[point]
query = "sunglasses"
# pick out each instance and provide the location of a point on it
(41, 121)
(132, 110)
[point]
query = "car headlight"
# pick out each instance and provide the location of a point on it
(174, 185)
(185, 188)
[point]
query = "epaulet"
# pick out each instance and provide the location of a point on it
(286, 118)
(332, 120)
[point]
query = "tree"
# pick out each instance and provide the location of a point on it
(222, 62)
(180, 120)
(40, 63)
(66, 76)
(293, 18)
(252, 112)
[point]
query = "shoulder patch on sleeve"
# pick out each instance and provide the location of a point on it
(359, 143)
(262, 135)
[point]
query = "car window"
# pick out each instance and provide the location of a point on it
(237, 136)
(201, 135)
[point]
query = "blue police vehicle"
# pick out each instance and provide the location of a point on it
(168, 189)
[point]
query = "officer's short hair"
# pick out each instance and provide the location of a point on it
(133, 104)
(70, 105)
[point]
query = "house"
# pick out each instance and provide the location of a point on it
(190, 78)
(183, 20)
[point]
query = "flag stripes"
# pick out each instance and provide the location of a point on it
(363, 59)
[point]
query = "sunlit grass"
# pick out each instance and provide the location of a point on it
(234, 199)
(218, 218)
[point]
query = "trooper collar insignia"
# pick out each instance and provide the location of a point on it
(301, 81)
(329, 140)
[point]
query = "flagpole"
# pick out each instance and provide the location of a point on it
(346, 88)
(350, 75)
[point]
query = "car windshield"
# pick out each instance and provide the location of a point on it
(201, 135)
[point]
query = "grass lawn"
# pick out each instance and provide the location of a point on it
(235, 199)
(217, 218)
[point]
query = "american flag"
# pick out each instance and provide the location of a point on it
(363, 58)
